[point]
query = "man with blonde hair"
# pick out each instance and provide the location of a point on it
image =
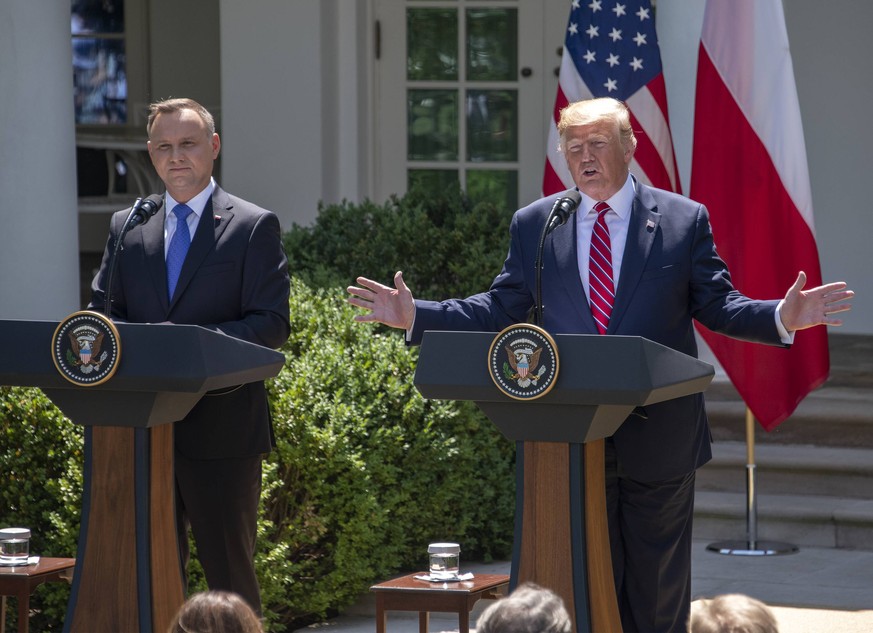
(634, 261)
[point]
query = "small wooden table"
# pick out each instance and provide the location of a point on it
(408, 594)
(21, 581)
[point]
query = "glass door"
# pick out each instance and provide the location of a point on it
(460, 98)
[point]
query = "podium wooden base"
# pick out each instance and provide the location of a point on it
(562, 539)
(128, 576)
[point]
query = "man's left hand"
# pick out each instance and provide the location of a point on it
(807, 308)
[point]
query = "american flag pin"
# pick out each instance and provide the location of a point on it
(217, 218)
(650, 225)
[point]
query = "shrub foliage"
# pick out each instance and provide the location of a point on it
(41, 488)
(445, 245)
(366, 471)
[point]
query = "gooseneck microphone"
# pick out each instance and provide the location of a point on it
(140, 213)
(561, 211)
(143, 210)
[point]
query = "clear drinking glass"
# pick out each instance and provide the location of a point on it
(444, 560)
(14, 546)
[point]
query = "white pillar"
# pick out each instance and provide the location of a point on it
(39, 247)
(295, 103)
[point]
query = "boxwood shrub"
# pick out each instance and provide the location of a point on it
(367, 472)
(445, 245)
(41, 455)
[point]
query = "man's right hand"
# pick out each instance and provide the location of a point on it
(392, 306)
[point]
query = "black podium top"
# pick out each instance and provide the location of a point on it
(164, 370)
(601, 381)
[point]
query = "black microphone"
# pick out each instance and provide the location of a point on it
(143, 210)
(563, 209)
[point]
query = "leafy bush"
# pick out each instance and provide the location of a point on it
(445, 246)
(41, 487)
(366, 471)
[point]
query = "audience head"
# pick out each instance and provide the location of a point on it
(215, 612)
(528, 609)
(731, 613)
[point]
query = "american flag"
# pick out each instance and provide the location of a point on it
(611, 50)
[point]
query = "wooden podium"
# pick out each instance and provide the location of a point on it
(128, 575)
(561, 535)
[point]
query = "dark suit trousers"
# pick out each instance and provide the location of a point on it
(218, 499)
(650, 538)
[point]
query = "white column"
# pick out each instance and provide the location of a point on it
(294, 103)
(39, 249)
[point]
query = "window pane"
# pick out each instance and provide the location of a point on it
(432, 124)
(97, 16)
(492, 36)
(499, 187)
(99, 80)
(432, 44)
(492, 125)
(433, 180)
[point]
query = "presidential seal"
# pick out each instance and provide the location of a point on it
(523, 361)
(86, 348)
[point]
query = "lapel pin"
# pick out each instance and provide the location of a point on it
(650, 225)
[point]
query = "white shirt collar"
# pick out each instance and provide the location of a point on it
(621, 202)
(197, 203)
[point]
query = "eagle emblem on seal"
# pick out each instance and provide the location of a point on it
(84, 351)
(523, 365)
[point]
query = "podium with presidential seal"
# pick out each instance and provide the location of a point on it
(126, 384)
(558, 398)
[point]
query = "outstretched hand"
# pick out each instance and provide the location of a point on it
(807, 308)
(392, 306)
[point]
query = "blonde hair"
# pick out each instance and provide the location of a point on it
(590, 111)
(215, 612)
(731, 613)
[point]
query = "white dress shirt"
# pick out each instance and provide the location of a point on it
(617, 221)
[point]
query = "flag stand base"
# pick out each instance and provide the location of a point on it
(752, 548)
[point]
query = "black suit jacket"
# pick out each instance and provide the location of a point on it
(234, 281)
(670, 275)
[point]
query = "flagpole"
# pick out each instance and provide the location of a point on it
(751, 546)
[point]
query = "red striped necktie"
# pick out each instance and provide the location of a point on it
(600, 285)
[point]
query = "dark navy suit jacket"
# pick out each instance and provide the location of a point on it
(234, 280)
(670, 275)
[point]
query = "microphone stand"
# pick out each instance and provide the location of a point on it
(107, 303)
(547, 228)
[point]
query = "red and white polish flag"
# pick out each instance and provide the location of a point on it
(749, 168)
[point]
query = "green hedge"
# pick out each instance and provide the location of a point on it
(366, 471)
(445, 245)
(41, 488)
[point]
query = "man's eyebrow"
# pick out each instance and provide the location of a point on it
(181, 140)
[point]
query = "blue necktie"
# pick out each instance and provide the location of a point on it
(178, 246)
